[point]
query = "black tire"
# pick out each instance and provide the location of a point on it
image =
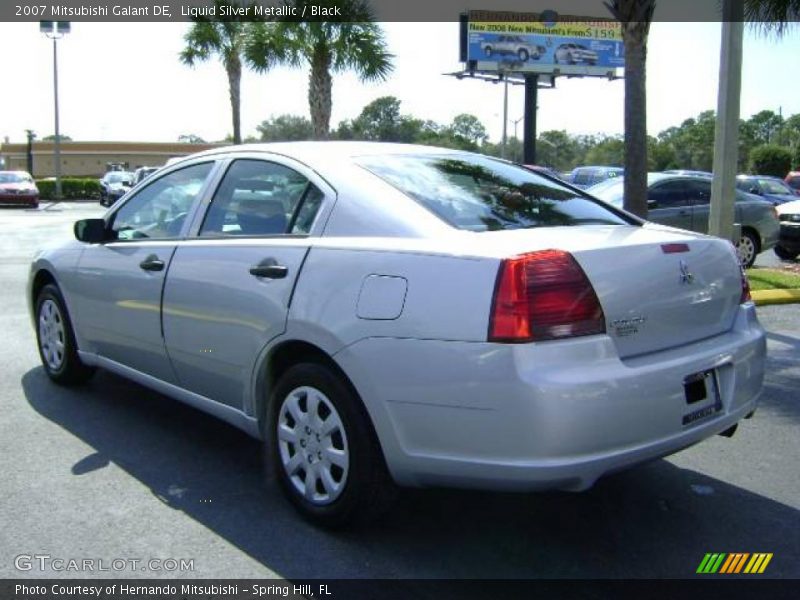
(367, 490)
(523, 55)
(69, 370)
(488, 51)
(748, 248)
(784, 254)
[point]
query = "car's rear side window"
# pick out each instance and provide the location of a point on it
(482, 194)
(257, 197)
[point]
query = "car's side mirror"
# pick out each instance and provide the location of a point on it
(651, 204)
(91, 231)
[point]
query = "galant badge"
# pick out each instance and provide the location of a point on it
(686, 275)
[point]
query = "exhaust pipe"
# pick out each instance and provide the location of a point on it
(729, 431)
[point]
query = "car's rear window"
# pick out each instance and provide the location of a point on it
(482, 194)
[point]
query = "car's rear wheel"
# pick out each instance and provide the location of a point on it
(785, 254)
(523, 55)
(326, 455)
(56, 339)
(747, 248)
(488, 51)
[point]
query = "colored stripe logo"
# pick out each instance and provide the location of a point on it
(735, 562)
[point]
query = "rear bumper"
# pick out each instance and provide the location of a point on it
(538, 416)
(19, 200)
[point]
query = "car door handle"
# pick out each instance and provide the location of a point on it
(152, 263)
(269, 269)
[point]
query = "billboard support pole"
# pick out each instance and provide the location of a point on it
(529, 125)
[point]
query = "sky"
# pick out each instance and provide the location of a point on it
(124, 82)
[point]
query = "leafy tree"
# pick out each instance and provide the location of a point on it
(608, 151)
(770, 160)
(52, 138)
(468, 130)
(284, 128)
(763, 126)
(350, 42)
(635, 17)
(208, 37)
(190, 138)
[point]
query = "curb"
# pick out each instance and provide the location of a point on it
(767, 297)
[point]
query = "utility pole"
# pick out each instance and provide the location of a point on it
(55, 30)
(726, 135)
(31, 136)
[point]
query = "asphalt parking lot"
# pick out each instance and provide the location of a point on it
(114, 471)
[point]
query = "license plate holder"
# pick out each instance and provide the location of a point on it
(701, 390)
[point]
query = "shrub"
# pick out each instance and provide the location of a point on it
(770, 160)
(72, 188)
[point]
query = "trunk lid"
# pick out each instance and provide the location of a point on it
(659, 287)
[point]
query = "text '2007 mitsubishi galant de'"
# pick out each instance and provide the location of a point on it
(385, 314)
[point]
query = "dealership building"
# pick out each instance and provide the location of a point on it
(92, 159)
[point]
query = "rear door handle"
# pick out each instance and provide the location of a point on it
(152, 263)
(269, 269)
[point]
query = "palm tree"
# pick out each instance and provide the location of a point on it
(772, 16)
(206, 38)
(350, 42)
(635, 17)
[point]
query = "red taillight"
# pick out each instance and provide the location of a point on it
(746, 297)
(543, 296)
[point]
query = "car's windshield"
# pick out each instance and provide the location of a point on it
(482, 194)
(14, 178)
(773, 186)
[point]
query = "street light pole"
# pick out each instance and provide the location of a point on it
(55, 30)
(505, 115)
(57, 145)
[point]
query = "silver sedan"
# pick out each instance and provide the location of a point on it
(385, 314)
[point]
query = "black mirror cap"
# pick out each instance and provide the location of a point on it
(91, 231)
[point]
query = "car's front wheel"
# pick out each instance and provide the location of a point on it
(56, 339)
(488, 51)
(747, 249)
(523, 55)
(785, 254)
(326, 455)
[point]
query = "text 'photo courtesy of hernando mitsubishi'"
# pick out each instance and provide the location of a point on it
(544, 42)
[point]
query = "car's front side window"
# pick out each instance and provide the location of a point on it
(257, 197)
(159, 210)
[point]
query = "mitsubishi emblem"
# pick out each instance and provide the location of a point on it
(686, 274)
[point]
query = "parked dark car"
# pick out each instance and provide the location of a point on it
(788, 247)
(691, 172)
(684, 201)
(18, 188)
(771, 189)
(114, 185)
(143, 173)
(584, 177)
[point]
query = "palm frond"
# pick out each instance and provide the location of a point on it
(772, 17)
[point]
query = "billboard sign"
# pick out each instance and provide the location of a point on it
(544, 42)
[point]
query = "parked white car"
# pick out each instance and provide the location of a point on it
(382, 314)
(575, 53)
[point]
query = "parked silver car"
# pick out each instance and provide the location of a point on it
(513, 44)
(381, 314)
(684, 200)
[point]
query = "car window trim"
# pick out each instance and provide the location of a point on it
(109, 218)
(329, 193)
